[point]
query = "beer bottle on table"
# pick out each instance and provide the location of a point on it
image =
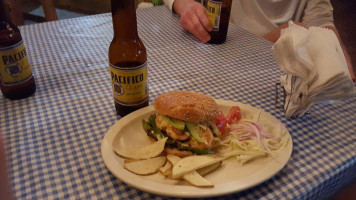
(218, 13)
(128, 60)
(16, 80)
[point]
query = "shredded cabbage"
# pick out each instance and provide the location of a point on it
(248, 140)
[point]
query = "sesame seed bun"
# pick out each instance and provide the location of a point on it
(187, 106)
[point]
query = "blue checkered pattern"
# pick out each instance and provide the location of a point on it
(53, 138)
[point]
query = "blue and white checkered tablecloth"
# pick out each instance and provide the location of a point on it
(53, 138)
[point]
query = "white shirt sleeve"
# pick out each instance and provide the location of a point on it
(318, 13)
(169, 3)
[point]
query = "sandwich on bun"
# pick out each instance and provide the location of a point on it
(186, 118)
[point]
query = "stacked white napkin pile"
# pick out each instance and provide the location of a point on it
(315, 67)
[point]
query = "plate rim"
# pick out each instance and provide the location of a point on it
(180, 191)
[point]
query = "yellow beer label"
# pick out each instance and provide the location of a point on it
(129, 85)
(14, 65)
(213, 9)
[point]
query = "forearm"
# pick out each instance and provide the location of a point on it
(318, 13)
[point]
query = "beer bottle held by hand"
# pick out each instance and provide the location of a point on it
(16, 80)
(218, 13)
(128, 60)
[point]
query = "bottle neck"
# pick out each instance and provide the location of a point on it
(124, 19)
(2, 11)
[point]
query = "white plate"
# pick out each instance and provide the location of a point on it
(231, 177)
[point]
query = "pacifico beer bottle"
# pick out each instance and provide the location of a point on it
(218, 13)
(128, 60)
(16, 80)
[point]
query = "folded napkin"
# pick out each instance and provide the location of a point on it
(315, 68)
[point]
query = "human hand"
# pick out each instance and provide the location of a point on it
(193, 18)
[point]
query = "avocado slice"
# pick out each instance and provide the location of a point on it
(176, 123)
(193, 131)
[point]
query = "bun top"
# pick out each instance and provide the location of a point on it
(187, 106)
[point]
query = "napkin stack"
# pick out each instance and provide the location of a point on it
(315, 68)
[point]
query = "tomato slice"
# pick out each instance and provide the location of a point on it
(221, 122)
(234, 114)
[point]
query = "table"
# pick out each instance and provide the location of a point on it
(53, 138)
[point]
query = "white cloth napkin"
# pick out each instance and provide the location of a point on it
(315, 68)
